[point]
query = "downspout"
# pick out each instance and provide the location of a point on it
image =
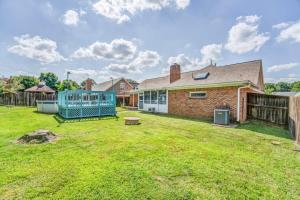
(238, 102)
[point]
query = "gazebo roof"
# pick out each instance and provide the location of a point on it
(41, 87)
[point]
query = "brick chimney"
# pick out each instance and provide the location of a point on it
(174, 72)
(88, 84)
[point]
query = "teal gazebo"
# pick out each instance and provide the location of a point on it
(74, 104)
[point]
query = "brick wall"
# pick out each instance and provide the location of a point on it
(179, 102)
(118, 90)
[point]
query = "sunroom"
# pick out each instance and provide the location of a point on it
(153, 101)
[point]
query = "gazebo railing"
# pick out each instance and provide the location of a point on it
(82, 103)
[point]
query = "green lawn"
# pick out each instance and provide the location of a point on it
(163, 158)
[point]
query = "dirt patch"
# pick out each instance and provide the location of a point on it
(37, 137)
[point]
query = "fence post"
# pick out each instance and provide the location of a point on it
(294, 118)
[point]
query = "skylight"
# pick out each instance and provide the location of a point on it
(200, 76)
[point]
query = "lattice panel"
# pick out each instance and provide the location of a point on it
(62, 112)
(91, 111)
(108, 110)
(74, 113)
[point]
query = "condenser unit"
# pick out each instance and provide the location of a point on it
(222, 116)
(151, 109)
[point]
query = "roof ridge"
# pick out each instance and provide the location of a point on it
(260, 60)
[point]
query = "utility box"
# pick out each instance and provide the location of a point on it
(222, 116)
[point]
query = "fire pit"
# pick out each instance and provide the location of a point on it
(132, 120)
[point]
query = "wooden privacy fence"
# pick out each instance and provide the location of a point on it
(294, 118)
(24, 98)
(269, 108)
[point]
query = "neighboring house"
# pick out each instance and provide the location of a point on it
(198, 93)
(40, 88)
(287, 94)
(126, 93)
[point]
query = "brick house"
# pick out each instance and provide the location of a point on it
(197, 93)
(126, 90)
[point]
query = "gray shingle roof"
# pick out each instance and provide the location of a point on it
(42, 88)
(240, 72)
(104, 86)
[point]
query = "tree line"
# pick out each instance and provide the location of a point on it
(20, 83)
(282, 87)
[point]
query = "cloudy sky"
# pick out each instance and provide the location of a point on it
(140, 38)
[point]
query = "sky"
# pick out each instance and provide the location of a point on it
(140, 39)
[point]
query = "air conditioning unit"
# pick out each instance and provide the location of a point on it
(151, 109)
(222, 116)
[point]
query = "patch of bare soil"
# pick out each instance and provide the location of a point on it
(37, 137)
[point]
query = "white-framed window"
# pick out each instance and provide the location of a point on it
(147, 97)
(122, 86)
(162, 97)
(198, 95)
(153, 97)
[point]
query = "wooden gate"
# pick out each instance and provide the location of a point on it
(268, 108)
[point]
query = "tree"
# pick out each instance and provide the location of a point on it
(1, 85)
(296, 86)
(50, 79)
(67, 85)
(269, 88)
(283, 87)
(13, 85)
(83, 83)
(26, 81)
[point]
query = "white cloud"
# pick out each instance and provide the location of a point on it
(37, 48)
(282, 67)
(209, 52)
(81, 74)
(185, 62)
(281, 25)
(182, 4)
(121, 10)
(290, 32)
(71, 18)
(82, 12)
(244, 36)
(118, 49)
(248, 19)
(145, 59)
(290, 78)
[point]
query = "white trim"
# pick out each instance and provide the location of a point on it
(167, 100)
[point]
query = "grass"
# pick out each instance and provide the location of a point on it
(163, 158)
